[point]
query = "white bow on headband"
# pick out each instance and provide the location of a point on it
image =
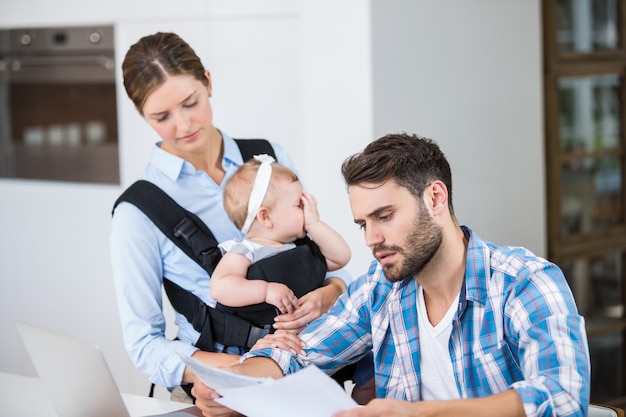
(259, 188)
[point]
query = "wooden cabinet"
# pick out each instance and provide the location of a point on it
(585, 102)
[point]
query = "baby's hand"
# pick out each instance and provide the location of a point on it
(282, 297)
(309, 206)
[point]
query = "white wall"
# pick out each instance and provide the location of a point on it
(468, 75)
(272, 79)
(300, 73)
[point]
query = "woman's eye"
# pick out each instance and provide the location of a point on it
(189, 105)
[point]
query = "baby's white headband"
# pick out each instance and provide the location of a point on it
(259, 189)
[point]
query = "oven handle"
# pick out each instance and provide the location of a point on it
(93, 68)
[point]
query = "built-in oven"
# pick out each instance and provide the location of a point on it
(58, 112)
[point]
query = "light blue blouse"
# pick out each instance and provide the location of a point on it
(141, 256)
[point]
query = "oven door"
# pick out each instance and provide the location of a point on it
(61, 118)
(62, 69)
(5, 128)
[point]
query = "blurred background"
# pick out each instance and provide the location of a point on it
(524, 97)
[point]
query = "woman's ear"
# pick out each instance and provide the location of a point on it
(207, 74)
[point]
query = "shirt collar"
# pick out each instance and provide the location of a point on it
(477, 269)
(474, 286)
(173, 166)
(170, 164)
(232, 154)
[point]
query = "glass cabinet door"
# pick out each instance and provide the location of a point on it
(587, 25)
(597, 284)
(585, 143)
(589, 142)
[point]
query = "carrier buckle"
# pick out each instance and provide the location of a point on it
(185, 229)
(257, 333)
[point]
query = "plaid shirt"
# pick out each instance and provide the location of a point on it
(516, 326)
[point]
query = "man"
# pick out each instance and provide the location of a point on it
(492, 330)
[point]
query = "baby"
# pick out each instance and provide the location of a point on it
(266, 201)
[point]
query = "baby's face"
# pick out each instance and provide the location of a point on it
(287, 214)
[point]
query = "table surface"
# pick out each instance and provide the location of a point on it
(22, 396)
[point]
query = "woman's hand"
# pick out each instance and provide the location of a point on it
(282, 339)
(205, 401)
(312, 305)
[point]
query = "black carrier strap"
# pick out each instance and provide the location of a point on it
(182, 227)
(212, 324)
(251, 147)
(193, 237)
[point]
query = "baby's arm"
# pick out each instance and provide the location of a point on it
(334, 248)
(230, 286)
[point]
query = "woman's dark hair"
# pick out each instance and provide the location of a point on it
(152, 59)
(411, 161)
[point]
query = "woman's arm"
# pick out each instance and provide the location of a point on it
(137, 273)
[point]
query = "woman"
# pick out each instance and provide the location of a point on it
(171, 90)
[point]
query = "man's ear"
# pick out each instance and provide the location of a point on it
(436, 195)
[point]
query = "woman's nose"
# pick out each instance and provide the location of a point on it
(182, 122)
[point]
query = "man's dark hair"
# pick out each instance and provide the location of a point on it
(411, 161)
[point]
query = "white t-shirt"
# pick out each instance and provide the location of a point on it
(438, 381)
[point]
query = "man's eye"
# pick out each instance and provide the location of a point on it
(362, 226)
(385, 217)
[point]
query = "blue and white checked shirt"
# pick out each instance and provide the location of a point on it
(517, 326)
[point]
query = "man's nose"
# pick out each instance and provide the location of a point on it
(373, 236)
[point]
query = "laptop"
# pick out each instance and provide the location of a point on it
(76, 375)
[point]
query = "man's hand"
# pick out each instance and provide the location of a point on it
(504, 404)
(380, 408)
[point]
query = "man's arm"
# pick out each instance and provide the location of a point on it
(504, 404)
(257, 367)
(210, 358)
(205, 396)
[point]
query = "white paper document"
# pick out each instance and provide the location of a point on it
(307, 393)
(217, 378)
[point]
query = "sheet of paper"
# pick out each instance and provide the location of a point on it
(307, 393)
(217, 378)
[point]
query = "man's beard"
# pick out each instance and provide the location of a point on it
(421, 245)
